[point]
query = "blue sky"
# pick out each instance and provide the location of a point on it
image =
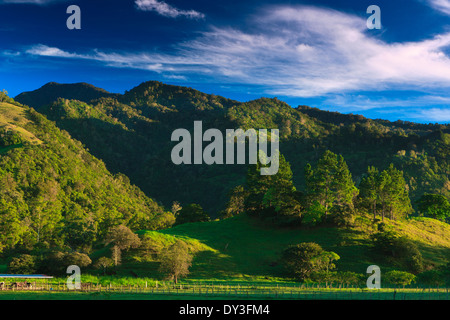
(316, 53)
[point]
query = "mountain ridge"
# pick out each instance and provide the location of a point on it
(87, 92)
(49, 92)
(140, 123)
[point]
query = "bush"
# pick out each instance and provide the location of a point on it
(433, 278)
(51, 263)
(23, 264)
(314, 214)
(435, 206)
(342, 215)
(399, 278)
(400, 249)
(301, 260)
(104, 263)
(350, 278)
(324, 277)
(79, 259)
(9, 138)
(56, 262)
(192, 213)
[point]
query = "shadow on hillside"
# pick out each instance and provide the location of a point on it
(208, 265)
(110, 142)
(438, 254)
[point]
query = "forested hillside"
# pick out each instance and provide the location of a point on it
(131, 134)
(54, 193)
(52, 91)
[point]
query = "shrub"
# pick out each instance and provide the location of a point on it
(350, 278)
(192, 213)
(400, 249)
(23, 264)
(104, 263)
(56, 262)
(399, 278)
(431, 278)
(324, 277)
(342, 215)
(79, 259)
(52, 263)
(301, 260)
(314, 214)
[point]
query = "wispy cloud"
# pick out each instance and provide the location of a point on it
(37, 2)
(9, 53)
(46, 51)
(135, 61)
(354, 102)
(441, 5)
(296, 51)
(166, 10)
(422, 108)
(433, 114)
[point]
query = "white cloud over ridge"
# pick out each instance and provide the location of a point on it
(295, 51)
(434, 114)
(135, 61)
(166, 10)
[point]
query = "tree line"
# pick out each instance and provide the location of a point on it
(330, 195)
(174, 259)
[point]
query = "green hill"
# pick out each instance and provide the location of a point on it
(247, 249)
(52, 91)
(53, 192)
(13, 119)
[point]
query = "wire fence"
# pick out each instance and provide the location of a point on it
(241, 291)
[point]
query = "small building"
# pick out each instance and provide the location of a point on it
(25, 276)
(16, 284)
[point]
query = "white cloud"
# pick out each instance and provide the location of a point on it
(136, 61)
(38, 2)
(9, 53)
(299, 52)
(167, 10)
(46, 51)
(441, 5)
(355, 102)
(433, 114)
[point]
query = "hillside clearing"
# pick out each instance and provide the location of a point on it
(15, 118)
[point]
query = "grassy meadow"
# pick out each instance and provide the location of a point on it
(242, 248)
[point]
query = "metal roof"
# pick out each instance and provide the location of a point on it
(25, 276)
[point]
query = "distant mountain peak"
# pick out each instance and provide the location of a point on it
(51, 91)
(151, 92)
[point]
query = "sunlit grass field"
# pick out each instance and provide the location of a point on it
(14, 118)
(242, 248)
(238, 258)
(236, 293)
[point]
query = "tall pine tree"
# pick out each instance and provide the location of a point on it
(386, 191)
(272, 196)
(330, 182)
